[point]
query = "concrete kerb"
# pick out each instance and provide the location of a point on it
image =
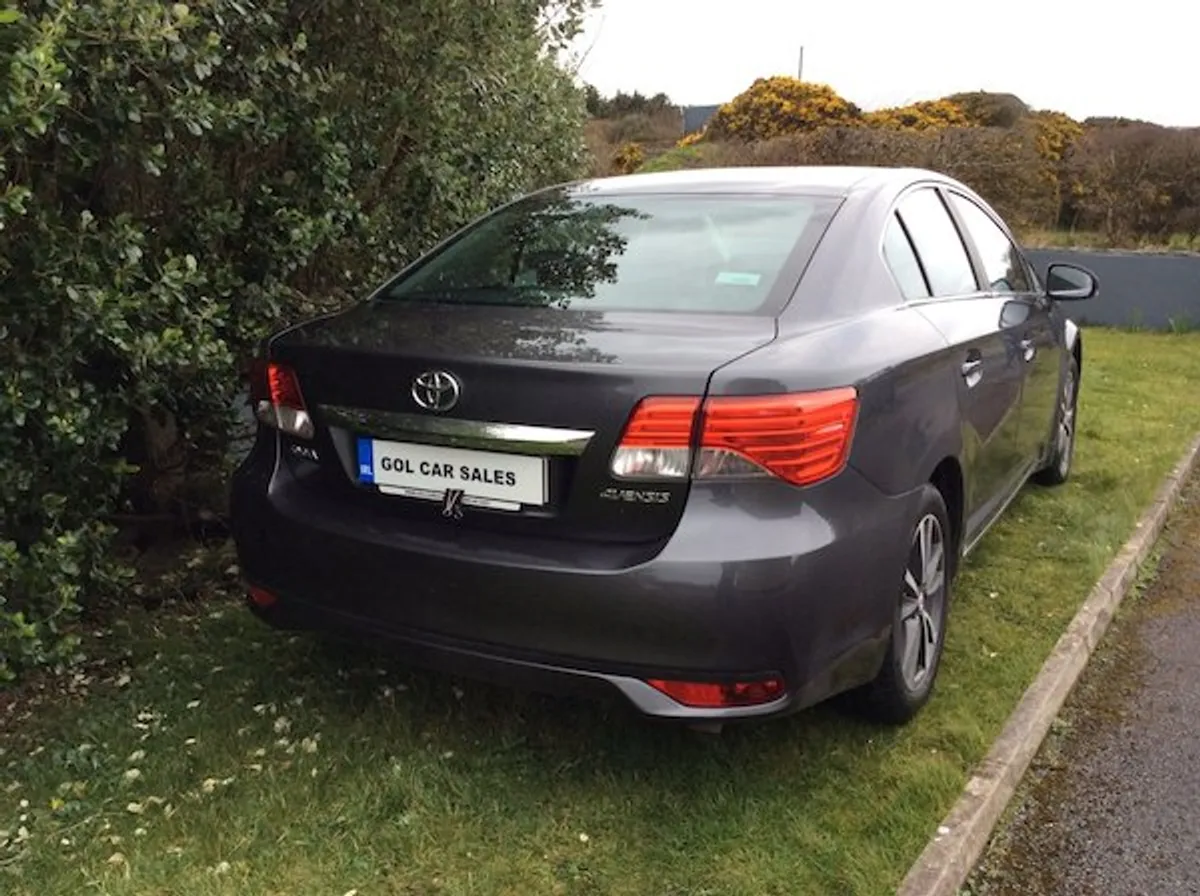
(949, 858)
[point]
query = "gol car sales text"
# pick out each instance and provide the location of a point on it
(463, 473)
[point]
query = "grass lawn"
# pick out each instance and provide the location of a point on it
(1086, 239)
(210, 755)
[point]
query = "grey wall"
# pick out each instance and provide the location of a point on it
(1155, 291)
(696, 117)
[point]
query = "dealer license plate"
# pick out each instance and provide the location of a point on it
(486, 478)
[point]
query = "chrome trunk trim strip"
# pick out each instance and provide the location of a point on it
(512, 438)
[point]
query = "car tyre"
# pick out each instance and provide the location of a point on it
(1058, 469)
(906, 679)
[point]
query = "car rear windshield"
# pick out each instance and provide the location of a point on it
(696, 253)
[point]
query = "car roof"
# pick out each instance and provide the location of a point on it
(825, 180)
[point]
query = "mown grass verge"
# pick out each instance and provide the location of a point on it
(209, 755)
(1093, 240)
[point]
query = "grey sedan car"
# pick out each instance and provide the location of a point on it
(714, 441)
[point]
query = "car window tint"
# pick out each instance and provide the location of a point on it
(938, 244)
(902, 259)
(1002, 263)
(704, 253)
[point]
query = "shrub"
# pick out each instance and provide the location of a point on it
(990, 110)
(921, 116)
(1132, 180)
(174, 181)
(660, 128)
(773, 107)
(628, 159)
(1055, 136)
(1002, 165)
(1137, 180)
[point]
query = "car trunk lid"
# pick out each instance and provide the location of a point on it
(541, 399)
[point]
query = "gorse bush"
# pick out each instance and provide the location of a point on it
(1001, 167)
(773, 107)
(628, 158)
(1043, 170)
(175, 181)
(921, 116)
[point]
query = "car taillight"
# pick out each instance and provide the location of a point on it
(657, 440)
(800, 438)
(261, 597)
(275, 394)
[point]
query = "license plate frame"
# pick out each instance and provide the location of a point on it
(409, 472)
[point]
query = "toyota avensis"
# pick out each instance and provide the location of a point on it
(715, 441)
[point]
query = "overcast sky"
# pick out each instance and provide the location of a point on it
(1140, 60)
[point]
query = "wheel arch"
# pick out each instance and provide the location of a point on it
(947, 478)
(1073, 336)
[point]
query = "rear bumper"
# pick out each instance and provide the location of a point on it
(442, 655)
(768, 581)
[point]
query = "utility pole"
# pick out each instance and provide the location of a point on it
(800, 70)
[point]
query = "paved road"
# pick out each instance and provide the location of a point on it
(1113, 804)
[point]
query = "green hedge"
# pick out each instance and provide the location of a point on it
(175, 181)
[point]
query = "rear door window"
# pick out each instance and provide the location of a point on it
(938, 243)
(1003, 265)
(902, 259)
(697, 253)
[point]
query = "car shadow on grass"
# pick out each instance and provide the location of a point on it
(351, 682)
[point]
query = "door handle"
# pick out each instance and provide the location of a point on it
(1028, 349)
(972, 371)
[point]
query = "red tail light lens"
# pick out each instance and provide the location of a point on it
(657, 440)
(713, 695)
(801, 438)
(260, 597)
(278, 403)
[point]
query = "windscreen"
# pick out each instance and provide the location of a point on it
(694, 253)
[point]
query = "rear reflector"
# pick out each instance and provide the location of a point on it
(275, 393)
(260, 597)
(801, 438)
(713, 695)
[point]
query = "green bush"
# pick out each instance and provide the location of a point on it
(175, 181)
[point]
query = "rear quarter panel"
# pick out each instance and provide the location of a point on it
(908, 418)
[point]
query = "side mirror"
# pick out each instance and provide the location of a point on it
(1070, 283)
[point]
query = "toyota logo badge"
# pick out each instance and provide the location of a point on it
(436, 390)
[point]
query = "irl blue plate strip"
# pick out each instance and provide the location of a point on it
(366, 461)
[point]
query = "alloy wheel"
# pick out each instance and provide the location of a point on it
(1066, 424)
(923, 602)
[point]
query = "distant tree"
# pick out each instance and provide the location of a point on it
(621, 103)
(1138, 180)
(593, 101)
